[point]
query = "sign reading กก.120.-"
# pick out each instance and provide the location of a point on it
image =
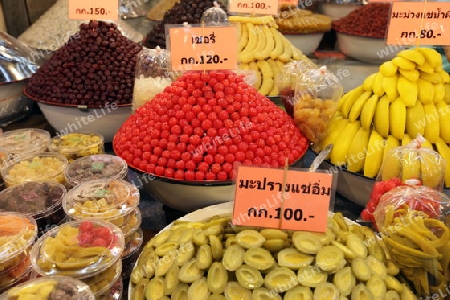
(94, 9)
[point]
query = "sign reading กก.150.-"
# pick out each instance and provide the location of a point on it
(94, 9)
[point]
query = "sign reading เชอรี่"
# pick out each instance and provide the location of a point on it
(201, 48)
(303, 205)
(93, 9)
(423, 23)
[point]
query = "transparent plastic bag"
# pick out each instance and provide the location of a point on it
(287, 79)
(214, 16)
(316, 97)
(152, 75)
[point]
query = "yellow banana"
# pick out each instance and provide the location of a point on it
(352, 97)
(276, 71)
(243, 38)
(357, 107)
(287, 52)
(377, 87)
(432, 169)
(412, 55)
(334, 131)
(278, 44)
(426, 68)
(447, 93)
(390, 87)
(342, 100)
(410, 165)
(263, 20)
(443, 149)
(411, 75)
(390, 167)
(340, 149)
(397, 118)
(244, 67)
(445, 77)
(407, 91)
(254, 67)
(403, 63)
(432, 130)
(357, 152)
(431, 56)
(444, 120)
(368, 82)
(280, 64)
(381, 120)
(267, 77)
(297, 53)
(431, 77)
(425, 91)
(368, 112)
(406, 140)
(427, 144)
(246, 54)
(388, 69)
(415, 120)
(374, 156)
(439, 92)
(268, 47)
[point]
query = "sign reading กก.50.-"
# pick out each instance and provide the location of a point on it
(94, 9)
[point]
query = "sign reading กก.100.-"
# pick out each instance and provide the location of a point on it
(94, 9)
(282, 199)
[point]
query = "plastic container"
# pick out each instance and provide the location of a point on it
(133, 224)
(60, 251)
(214, 16)
(131, 252)
(17, 275)
(77, 144)
(56, 287)
(102, 282)
(111, 200)
(41, 200)
(24, 142)
(115, 293)
(94, 167)
(42, 166)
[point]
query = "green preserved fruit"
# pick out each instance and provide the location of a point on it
(361, 270)
(342, 297)
(189, 272)
(187, 236)
(250, 239)
(348, 254)
(230, 241)
(344, 280)
(311, 276)
(204, 257)
(325, 237)
(166, 248)
(215, 229)
(171, 279)
(299, 293)
(180, 292)
(391, 268)
(199, 238)
(161, 238)
(249, 277)
(165, 263)
(216, 247)
(280, 279)
(306, 242)
(376, 286)
(177, 234)
(233, 257)
(199, 290)
(139, 289)
(217, 278)
(150, 264)
(294, 259)
(326, 291)
(330, 259)
(392, 295)
(274, 245)
(271, 234)
(356, 244)
(155, 289)
(258, 258)
(393, 283)
(216, 297)
(136, 275)
(233, 291)
(407, 294)
(185, 253)
(377, 267)
(265, 294)
(361, 292)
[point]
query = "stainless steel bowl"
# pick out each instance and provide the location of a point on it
(13, 103)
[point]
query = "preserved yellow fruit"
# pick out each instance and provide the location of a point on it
(265, 294)
(311, 276)
(361, 292)
(190, 272)
(326, 291)
(249, 277)
(294, 259)
(233, 257)
(233, 291)
(199, 290)
(217, 278)
(171, 279)
(361, 269)
(204, 257)
(259, 258)
(344, 280)
(299, 293)
(250, 239)
(307, 242)
(376, 286)
(330, 259)
(280, 279)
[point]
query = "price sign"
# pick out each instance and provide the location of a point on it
(288, 2)
(261, 7)
(202, 48)
(383, 1)
(260, 200)
(93, 9)
(424, 23)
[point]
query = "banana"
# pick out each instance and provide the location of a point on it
(426, 68)
(368, 82)
(353, 95)
(427, 144)
(444, 151)
(381, 120)
(357, 107)
(377, 86)
(263, 20)
(445, 77)
(406, 140)
(278, 44)
(243, 38)
(276, 71)
(342, 100)
(443, 110)
(439, 92)
(432, 130)
(447, 93)
(357, 152)
(334, 131)
(431, 56)
(432, 169)
(374, 156)
(388, 69)
(412, 55)
(390, 87)
(267, 77)
(407, 91)
(246, 54)
(403, 63)
(411, 75)
(390, 167)
(368, 112)
(339, 152)
(410, 163)
(244, 67)
(287, 53)
(425, 91)
(254, 67)
(297, 53)
(431, 77)
(280, 64)
(397, 118)
(269, 45)
(415, 120)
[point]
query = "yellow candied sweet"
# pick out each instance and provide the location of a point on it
(37, 168)
(76, 145)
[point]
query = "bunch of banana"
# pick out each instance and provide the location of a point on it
(264, 50)
(408, 96)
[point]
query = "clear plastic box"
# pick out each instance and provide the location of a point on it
(24, 142)
(78, 144)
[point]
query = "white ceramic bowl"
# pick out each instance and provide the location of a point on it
(337, 11)
(371, 50)
(307, 43)
(104, 121)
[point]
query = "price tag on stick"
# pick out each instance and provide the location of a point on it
(422, 23)
(202, 48)
(283, 199)
(257, 7)
(94, 9)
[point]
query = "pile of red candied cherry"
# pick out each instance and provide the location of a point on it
(206, 124)
(92, 235)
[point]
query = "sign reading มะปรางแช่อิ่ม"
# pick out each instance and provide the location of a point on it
(282, 199)
(94, 10)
